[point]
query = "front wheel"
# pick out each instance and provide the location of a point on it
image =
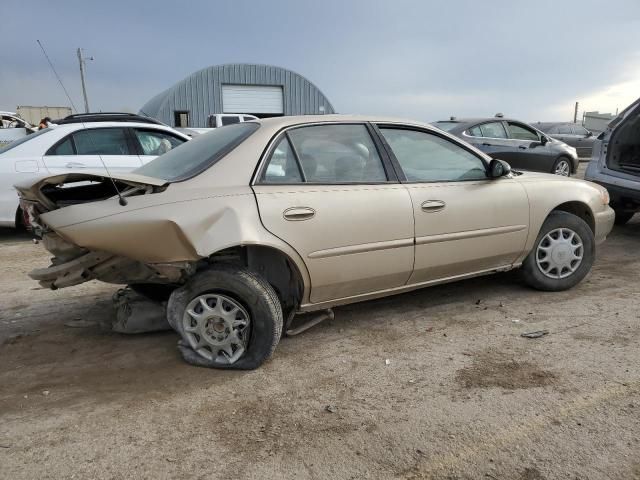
(228, 317)
(562, 255)
(562, 167)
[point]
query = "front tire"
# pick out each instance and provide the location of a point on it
(563, 253)
(228, 317)
(562, 167)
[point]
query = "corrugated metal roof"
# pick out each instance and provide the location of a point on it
(201, 92)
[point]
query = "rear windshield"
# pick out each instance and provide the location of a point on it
(20, 141)
(195, 156)
(446, 126)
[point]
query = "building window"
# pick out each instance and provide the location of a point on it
(181, 118)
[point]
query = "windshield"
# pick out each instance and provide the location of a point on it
(195, 156)
(20, 141)
(446, 126)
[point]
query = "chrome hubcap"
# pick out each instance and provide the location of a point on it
(562, 168)
(217, 327)
(559, 253)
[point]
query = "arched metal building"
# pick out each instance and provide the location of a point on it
(260, 90)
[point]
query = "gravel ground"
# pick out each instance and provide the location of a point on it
(463, 396)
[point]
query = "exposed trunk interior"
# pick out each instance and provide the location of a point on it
(624, 146)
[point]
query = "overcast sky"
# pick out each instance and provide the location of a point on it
(415, 59)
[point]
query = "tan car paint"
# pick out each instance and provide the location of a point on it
(476, 230)
(195, 218)
(359, 239)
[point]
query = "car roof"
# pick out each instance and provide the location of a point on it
(283, 122)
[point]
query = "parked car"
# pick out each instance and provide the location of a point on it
(523, 146)
(615, 162)
(253, 223)
(123, 142)
(572, 134)
(223, 119)
(12, 127)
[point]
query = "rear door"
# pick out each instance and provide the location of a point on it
(489, 137)
(93, 148)
(151, 142)
(328, 191)
(464, 221)
(527, 152)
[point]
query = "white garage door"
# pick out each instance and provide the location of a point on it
(252, 99)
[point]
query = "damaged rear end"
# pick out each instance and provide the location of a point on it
(78, 218)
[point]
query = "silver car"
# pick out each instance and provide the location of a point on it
(615, 162)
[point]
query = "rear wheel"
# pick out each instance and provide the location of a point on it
(228, 317)
(562, 255)
(622, 217)
(562, 167)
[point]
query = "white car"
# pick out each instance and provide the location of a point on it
(12, 127)
(79, 145)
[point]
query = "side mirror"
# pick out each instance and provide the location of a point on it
(543, 140)
(589, 134)
(499, 168)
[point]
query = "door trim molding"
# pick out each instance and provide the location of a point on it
(484, 232)
(362, 248)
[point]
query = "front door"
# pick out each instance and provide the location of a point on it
(464, 222)
(326, 191)
(527, 151)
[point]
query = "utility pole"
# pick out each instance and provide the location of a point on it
(575, 114)
(82, 61)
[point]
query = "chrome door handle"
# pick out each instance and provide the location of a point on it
(75, 165)
(431, 206)
(298, 213)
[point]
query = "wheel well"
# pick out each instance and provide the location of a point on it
(568, 159)
(578, 209)
(273, 265)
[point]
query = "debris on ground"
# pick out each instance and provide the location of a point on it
(536, 334)
(80, 323)
(331, 408)
(138, 314)
(515, 320)
(387, 362)
(46, 393)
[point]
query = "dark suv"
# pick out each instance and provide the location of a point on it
(521, 145)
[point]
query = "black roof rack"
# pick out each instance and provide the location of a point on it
(106, 117)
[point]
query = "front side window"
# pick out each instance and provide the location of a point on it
(520, 132)
(565, 130)
(196, 155)
(101, 141)
(155, 142)
(580, 130)
(425, 157)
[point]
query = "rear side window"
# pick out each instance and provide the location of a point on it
(475, 131)
(196, 155)
(283, 166)
(102, 141)
(156, 142)
(520, 132)
(329, 154)
(493, 130)
(230, 120)
(65, 147)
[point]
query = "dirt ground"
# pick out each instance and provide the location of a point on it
(463, 396)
